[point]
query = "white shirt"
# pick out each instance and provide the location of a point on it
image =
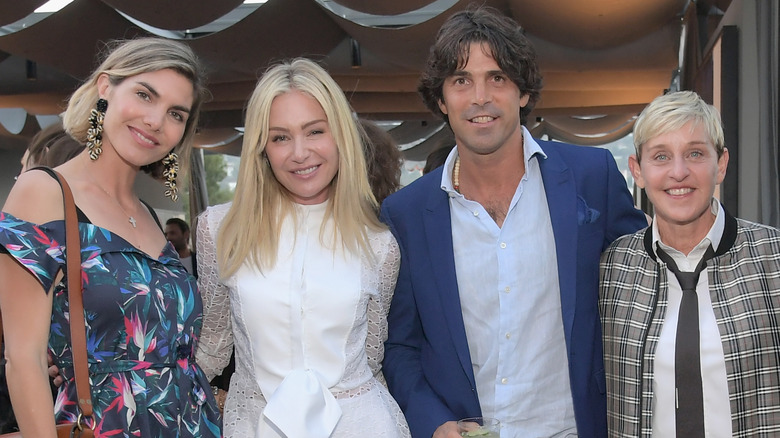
(510, 296)
(187, 263)
(717, 410)
(309, 332)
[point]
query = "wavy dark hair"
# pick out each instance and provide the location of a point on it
(51, 147)
(383, 160)
(513, 52)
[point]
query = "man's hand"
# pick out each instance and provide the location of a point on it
(54, 372)
(221, 396)
(447, 430)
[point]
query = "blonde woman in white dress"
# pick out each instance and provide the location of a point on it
(297, 272)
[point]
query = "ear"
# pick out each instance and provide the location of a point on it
(636, 171)
(442, 106)
(723, 163)
(103, 83)
(524, 100)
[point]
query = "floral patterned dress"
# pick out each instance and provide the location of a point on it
(143, 318)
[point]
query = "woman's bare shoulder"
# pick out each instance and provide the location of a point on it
(35, 197)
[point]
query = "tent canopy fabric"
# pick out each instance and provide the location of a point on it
(599, 57)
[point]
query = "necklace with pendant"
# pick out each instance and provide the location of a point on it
(130, 218)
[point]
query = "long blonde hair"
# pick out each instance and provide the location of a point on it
(126, 58)
(251, 228)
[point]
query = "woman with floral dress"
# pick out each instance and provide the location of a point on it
(137, 111)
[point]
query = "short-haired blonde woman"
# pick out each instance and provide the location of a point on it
(138, 110)
(298, 272)
(689, 306)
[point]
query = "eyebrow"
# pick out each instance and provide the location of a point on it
(464, 73)
(666, 145)
(305, 125)
(154, 92)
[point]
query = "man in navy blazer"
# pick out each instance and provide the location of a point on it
(472, 328)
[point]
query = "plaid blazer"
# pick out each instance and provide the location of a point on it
(744, 282)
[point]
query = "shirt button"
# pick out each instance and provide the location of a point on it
(503, 245)
(508, 335)
(476, 213)
(507, 289)
(504, 380)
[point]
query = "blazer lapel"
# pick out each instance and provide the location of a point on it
(561, 194)
(438, 235)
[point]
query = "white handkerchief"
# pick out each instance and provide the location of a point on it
(302, 406)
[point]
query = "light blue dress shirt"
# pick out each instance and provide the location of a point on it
(509, 292)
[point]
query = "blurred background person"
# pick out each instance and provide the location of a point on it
(437, 157)
(177, 231)
(50, 147)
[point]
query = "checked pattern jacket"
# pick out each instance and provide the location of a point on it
(744, 280)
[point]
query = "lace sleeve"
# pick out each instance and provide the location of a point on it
(216, 338)
(388, 261)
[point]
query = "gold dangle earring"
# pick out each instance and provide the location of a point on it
(171, 163)
(95, 131)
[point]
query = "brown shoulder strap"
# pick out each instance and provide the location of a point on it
(78, 329)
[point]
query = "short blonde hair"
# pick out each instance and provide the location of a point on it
(250, 230)
(671, 112)
(127, 58)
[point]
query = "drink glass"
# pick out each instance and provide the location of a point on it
(482, 427)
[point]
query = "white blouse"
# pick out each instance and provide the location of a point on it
(309, 333)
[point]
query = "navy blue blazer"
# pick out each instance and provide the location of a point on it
(427, 361)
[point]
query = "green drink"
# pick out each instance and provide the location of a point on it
(479, 427)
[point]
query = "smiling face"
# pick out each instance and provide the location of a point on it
(482, 104)
(146, 115)
(300, 149)
(679, 171)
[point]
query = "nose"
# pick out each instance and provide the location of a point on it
(481, 93)
(300, 151)
(154, 119)
(680, 169)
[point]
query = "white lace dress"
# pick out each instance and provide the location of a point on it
(309, 334)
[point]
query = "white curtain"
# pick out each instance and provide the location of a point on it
(768, 28)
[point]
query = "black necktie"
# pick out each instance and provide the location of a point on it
(689, 416)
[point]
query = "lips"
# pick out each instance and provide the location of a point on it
(482, 119)
(680, 191)
(151, 141)
(306, 171)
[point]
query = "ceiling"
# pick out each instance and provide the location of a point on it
(602, 60)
